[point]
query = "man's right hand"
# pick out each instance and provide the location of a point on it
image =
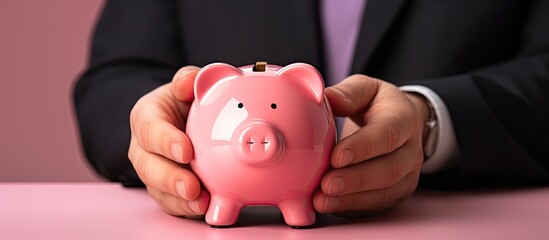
(159, 147)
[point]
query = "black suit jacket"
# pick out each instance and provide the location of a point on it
(487, 59)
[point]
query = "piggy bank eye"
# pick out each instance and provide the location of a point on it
(240, 105)
(273, 105)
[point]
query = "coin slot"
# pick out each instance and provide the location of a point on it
(260, 67)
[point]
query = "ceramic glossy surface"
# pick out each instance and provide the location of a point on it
(260, 137)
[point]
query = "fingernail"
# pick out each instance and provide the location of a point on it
(185, 73)
(332, 203)
(193, 205)
(181, 190)
(337, 185)
(177, 152)
(345, 158)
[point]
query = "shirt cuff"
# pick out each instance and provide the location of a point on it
(445, 153)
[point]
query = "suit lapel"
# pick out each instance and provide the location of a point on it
(377, 19)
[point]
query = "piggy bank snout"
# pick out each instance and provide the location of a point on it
(260, 144)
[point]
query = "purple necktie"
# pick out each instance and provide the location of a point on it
(341, 20)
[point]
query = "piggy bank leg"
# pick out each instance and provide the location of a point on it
(223, 211)
(297, 212)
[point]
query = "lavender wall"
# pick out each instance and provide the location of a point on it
(43, 48)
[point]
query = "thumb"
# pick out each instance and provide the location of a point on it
(352, 95)
(183, 83)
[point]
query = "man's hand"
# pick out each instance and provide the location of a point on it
(377, 163)
(159, 147)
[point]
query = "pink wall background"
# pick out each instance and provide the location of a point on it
(43, 48)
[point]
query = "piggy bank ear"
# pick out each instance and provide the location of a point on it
(211, 74)
(307, 76)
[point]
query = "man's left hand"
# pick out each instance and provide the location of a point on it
(377, 162)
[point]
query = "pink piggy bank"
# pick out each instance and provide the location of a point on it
(262, 135)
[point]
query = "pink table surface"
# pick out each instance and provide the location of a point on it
(108, 211)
